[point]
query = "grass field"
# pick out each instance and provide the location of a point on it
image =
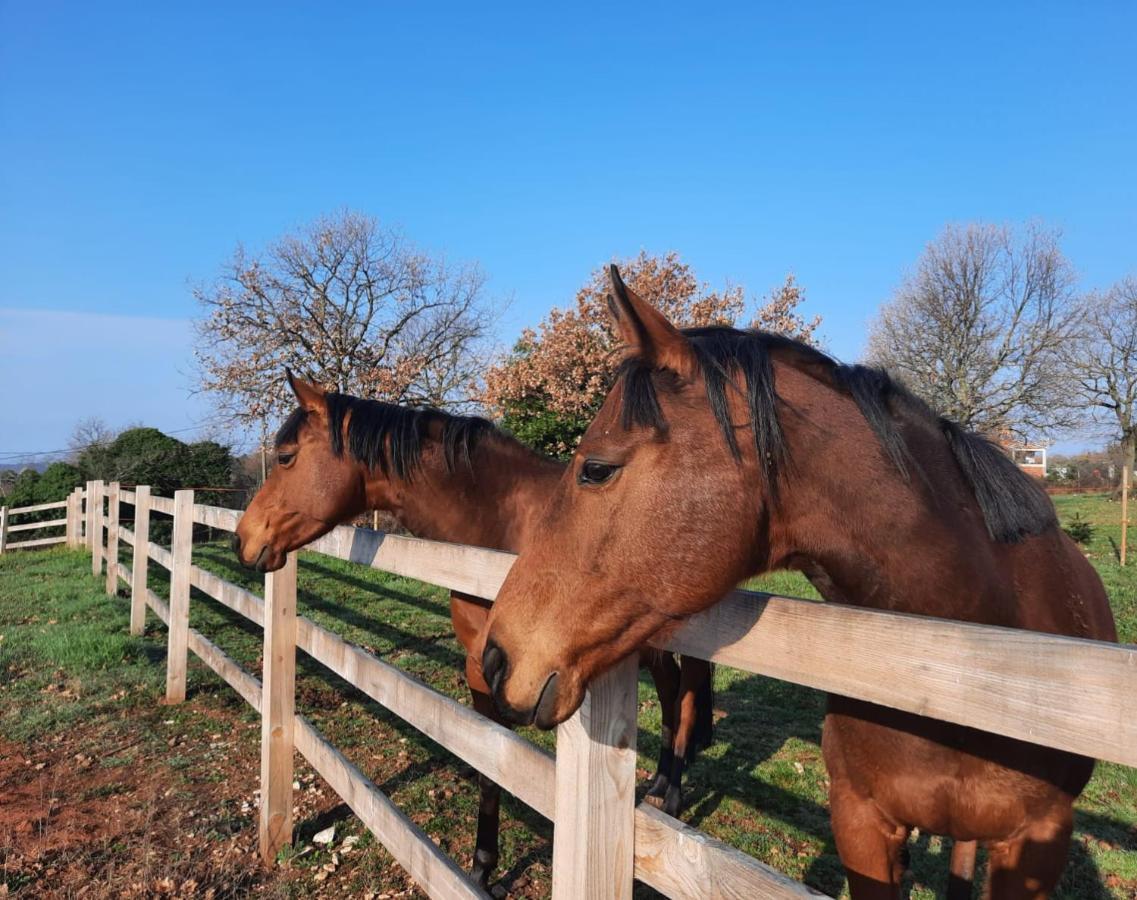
(105, 790)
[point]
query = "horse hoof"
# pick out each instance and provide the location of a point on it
(652, 800)
(673, 803)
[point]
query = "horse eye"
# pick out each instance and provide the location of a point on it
(284, 459)
(595, 472)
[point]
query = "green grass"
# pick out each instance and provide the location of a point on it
(761, 787)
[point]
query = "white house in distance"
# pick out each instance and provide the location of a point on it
(1031, 460)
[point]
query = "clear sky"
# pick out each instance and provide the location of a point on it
(139, 143)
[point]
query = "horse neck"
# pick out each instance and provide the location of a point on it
(866, 536)
(491, 503)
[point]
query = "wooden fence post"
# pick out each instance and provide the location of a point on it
(141, 559)
(1124, 506)
(278, 701)
(72, 529)
(95, 502)
(178, 635)
(594, 835)
(89, 515)
(3, 528)
(112, 537)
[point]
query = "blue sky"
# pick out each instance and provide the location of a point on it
(140, 143)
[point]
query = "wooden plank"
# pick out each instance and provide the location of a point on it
(74, 516)
(32, 526)
(127, 496)
(216, 516)
(160, 607)
(162, 505)
(38, 507)
(437, 874)
(125, 535)
(226, 667)
(97, 527)
(162, 556)
(278, 709)
(3, 528)
(471, 570)
(38, 542)
(521, 768)
(594, 834)
(88, 515)
(112, 538)
(178, 623)
(231, 595)
(1062, 692)
(680, 861)
(140, 540)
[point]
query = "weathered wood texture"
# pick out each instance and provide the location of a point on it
(594, 833)
(97, 498)
(435, 872)
(32, 526)
(3, 528)
(522, 769)
(38, 542)
(278, 709)
(471, 570)
(1063, 692)
(112, 537)
(162, 504)
(37, 507)
(181, 550)
(680, 861)
(140, 541)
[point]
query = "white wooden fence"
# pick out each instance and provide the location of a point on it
(1062, 692)
(71, 523)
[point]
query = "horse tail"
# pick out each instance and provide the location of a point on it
(962, 870)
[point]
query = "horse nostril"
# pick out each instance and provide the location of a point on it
(493, 665)
(235, 543)
(544, 715)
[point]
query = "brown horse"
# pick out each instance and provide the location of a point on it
(720, 454)
(451, 478)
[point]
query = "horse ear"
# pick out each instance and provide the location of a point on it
(647, 332)
(310, 396)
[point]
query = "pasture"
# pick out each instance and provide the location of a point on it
(107, 791)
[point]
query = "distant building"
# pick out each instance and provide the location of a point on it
(1031, 460)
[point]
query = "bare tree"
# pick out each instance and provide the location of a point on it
(349, 305)
(977, 329)
(1101, 359)
(88, 433)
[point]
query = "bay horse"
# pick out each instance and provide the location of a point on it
(448, 478)
(720, 454)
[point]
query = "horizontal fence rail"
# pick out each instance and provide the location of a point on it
(70, 522)
(1061, 692)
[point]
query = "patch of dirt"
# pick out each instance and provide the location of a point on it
(159, 812)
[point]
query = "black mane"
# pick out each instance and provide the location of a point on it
(1013, 506)
(390, 437)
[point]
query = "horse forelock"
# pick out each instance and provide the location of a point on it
(390, 437)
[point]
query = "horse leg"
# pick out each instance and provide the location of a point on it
(1028, 866)
(869, 844)
(486, 850)
(665, 673)
(694, 682)
(961, 871)
(468, 615)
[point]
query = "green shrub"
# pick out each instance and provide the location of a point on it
(1080, 531)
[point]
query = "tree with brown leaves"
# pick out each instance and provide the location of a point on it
(550, 387)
